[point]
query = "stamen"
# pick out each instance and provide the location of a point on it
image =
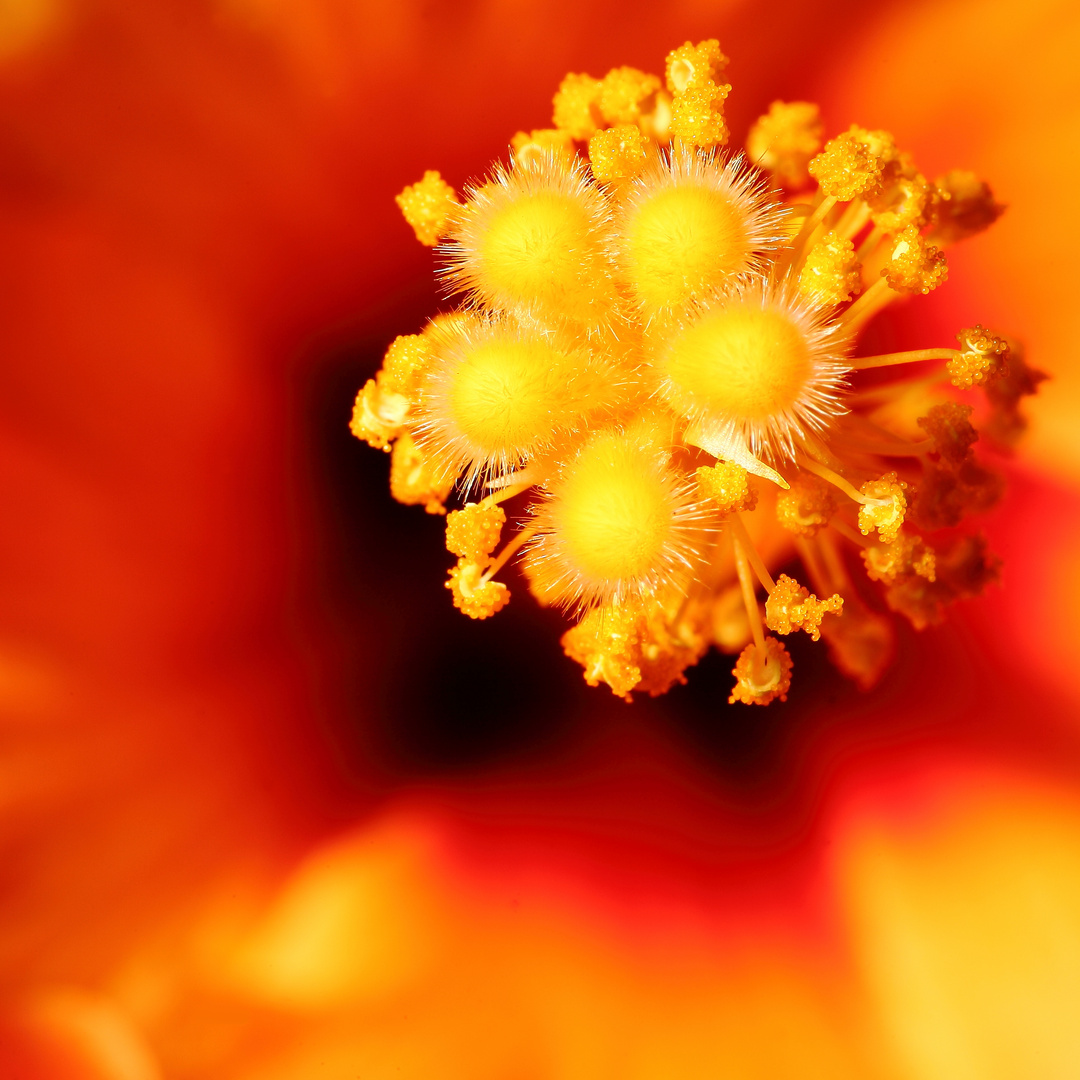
(879, 295)
(848, 532)
(746, 544)
(753, 612)
(507, 488)
(836, 480)
(913, 356)
(853, 220)
(875, 236)
(509, 551)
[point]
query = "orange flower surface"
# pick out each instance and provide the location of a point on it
(272, 809)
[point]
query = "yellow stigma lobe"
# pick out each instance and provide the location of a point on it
(615, 513)
(616, 523)
(533, 242)
(682, 241)
(532, 251)
(689, 225)
(742, 360)
(496, 394)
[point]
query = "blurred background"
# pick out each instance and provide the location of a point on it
(269, 807)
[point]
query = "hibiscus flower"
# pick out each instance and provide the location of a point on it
(269, 809)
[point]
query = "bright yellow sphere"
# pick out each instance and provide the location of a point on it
(683, 241)
(537, 252)
(614, 513)
(506, 397)
(742, 361)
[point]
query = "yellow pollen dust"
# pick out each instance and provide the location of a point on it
(983, 356)
(785, 139)
(830, 274)
(728, 486)
(683, 241)
(691, 65)
(618, 153)
(807, 506)
(538, 251)
(760, 680)
(577, 106)
(741, 360)
(792, 607)
(473, 531)
(474, 596)
(531, 147)
(415, 480)
(427, 206)
(884, 508)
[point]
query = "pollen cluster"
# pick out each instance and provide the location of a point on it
(653, 384)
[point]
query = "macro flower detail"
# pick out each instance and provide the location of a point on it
(653, 384)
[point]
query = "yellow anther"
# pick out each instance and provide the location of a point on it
(656, 117)
(690, 66)
(905, 556)
(413, 479)
(807, 506)
(852, 165)
(784, 140)
(577, 106)
(728, 485)
(983, 357)
(473, 595)
(861, 643)
(427, 206)
(885, 507)
(904, 201)
(1006, 423)
(964, 206)
(948, 493)
(528, 146)
(964, 570)
(378, 415)
(949, 425)
(697, 115)
(626, 94)
(618, 153)
(404, 363)
(606, 644)
(473, 531)
(760, 680)
(830, 274)
(915, 265)
(792, 607)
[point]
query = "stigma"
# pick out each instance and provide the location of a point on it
(651, 399)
